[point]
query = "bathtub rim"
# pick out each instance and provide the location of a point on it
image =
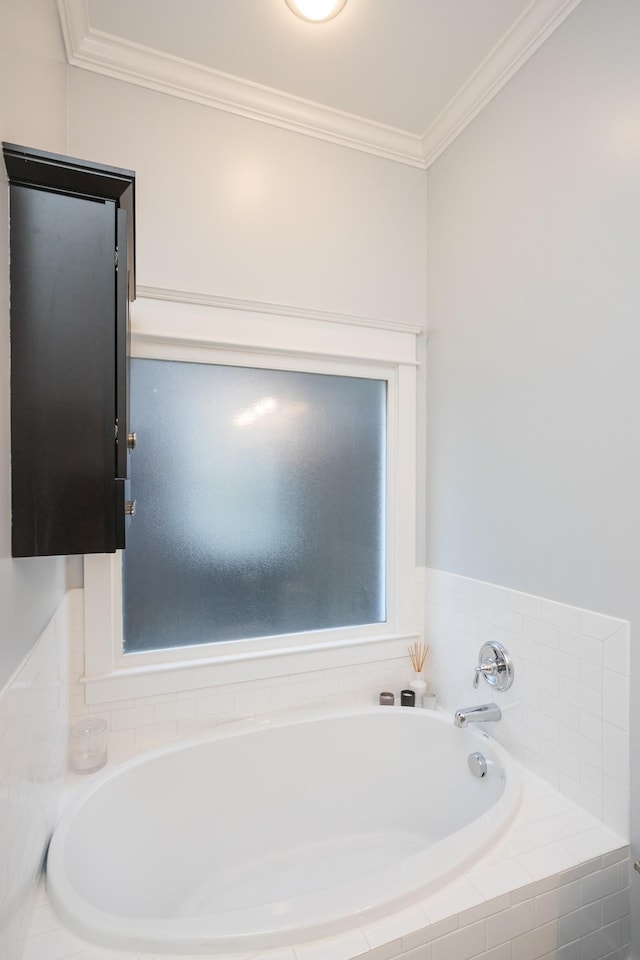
(84, 785)
(159, 935)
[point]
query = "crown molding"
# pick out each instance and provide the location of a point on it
(528, 33)
(275, 309)
(121, 59)
(111, 56)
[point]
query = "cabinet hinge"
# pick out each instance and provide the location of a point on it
(115, 431)
(115, 258)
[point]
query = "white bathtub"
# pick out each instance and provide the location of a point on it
(276, 832)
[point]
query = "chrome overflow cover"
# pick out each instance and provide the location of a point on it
(495, 665)
(477, 764)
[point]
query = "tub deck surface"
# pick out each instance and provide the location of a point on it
(552, 848)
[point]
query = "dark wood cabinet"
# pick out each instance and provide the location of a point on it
(72, 277)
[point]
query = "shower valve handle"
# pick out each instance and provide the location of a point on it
(488, 668)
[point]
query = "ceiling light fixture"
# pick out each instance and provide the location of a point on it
(317, 11)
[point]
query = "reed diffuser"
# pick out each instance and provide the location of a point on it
(418, 653)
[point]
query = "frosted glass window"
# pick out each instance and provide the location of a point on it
(261, 504)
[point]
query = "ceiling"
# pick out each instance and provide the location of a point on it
(386, 75)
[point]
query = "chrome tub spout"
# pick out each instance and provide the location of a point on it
(481, 713)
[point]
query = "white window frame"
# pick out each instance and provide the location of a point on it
(205, 333)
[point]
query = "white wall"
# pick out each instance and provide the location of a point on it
(235, 208)
(33, 113)
(33, 107)
(534, 393)
(533, 306)
(33, 663)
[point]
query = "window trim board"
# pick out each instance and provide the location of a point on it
(111, 675)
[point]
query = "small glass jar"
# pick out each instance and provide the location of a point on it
(88, 745)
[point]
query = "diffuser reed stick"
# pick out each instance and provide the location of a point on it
(418, 653)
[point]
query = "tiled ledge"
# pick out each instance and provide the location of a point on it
(555, 886)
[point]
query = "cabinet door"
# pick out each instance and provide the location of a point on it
(63, 373)
(123, 349)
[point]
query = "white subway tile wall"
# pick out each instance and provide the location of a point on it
(566, 716)
(33, 738)
(555, 887)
